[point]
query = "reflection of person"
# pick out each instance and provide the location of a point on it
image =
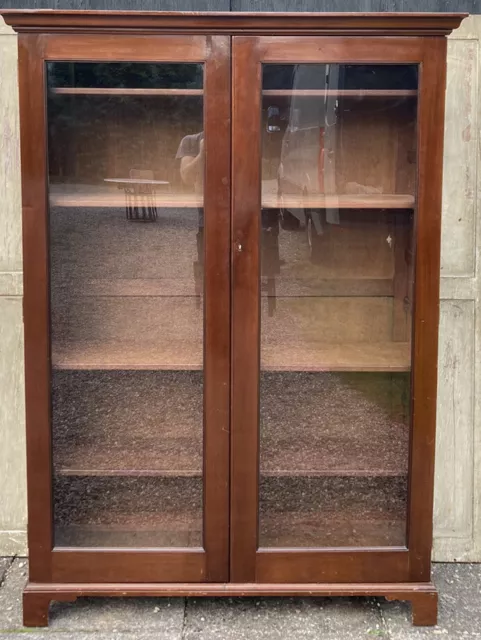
(191, 155)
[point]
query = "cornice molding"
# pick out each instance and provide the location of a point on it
(406, 24)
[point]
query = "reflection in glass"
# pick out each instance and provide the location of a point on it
(338, 194)
(126, 268)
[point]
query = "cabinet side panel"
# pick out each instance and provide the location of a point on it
(426, 308)
(36, 307)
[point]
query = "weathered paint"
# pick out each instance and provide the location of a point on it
(13, 516)
(457, 515)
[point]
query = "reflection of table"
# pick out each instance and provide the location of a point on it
(139, 197)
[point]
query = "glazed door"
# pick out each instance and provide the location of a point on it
(133, 223)
(334, 277)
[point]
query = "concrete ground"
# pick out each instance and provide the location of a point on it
(250, 618)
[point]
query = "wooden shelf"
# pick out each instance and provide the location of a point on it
(109, 512)
(150, 333)
(103, 91)
(145, 512)
(283, 530)
(170, 356)
(347, 201)
(343, 93)
(70, 197)
(165, 333)
(344, 425)
(173, 356)
(64, 196)
(374, 356)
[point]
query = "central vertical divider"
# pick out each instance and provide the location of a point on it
(245, 308)
(217, 319)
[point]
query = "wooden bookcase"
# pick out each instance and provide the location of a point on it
(231, 231)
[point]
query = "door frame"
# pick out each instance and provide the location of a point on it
(107, 565)
(409, 563)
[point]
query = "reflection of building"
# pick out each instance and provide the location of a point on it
(106, 134)
(314, 139)
(191, 156)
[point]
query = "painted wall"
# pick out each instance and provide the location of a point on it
(13, 512)
(458, 467)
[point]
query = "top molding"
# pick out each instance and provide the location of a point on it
(404, 24)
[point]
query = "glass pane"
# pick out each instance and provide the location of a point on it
(338, 198)
(126, 280)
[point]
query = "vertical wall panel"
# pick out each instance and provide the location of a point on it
(457, 524)
(460, 142)
(13, 515)
(10, 229)
(454, 441)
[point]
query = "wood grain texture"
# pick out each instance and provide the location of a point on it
(294, 354)
(138, 565)
(217, 193)
(465, 257)
(36, 306)
(108, 91)
(336, 565)
(381, 23)
(246, 99)
(342, 49)
(35, 609)
(62, 196)
(292, 565)
(345, 93)
(37, 339)
(130, 47)
(37, 597)
(426, 305)
(380, 356)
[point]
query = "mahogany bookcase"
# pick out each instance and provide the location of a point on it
(231, 236)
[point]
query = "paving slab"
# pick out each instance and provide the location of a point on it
(37, 634)
(4, 564)
(11, 595)
(282, 618)
(164, 616)
(459, 616)
(248, 618)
